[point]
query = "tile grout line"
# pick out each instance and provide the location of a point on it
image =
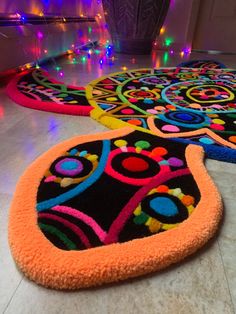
(222, 260)
(4, 311)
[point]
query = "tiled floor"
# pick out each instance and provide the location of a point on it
(204, 283)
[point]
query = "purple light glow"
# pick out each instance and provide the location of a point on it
(186, 50)
(39, 35)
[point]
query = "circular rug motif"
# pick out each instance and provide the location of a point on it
(192, 105)
(37, 90)
(110, 206)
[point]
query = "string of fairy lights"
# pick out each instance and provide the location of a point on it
(103, 50)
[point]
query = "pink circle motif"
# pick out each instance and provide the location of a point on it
(170, 128)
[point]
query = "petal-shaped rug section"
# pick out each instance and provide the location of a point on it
(197, 106)
(208, 63)
(110, 206)
(37, 90)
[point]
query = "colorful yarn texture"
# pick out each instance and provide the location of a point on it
(37, 90)
(106, 207)
(195, 106)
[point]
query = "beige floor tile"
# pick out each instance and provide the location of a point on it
(10, 277)
(227, 240)
(194, 287)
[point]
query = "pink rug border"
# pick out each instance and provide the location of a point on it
(19, 98)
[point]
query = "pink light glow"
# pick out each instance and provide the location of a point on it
(39, 35)
(1, 112)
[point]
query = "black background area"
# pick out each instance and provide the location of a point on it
(104, 199)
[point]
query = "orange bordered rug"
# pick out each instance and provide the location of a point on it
(106, 207)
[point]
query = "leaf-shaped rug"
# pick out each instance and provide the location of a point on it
(37, 90)
(195, 106)
(110, 206)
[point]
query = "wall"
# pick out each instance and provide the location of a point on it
(60, 7)
(36, 42)
(33, 43)
(179, 25)
(177, 33)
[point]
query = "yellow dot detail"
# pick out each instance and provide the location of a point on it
(138, 211)
(92, 157)
(138, 149)
(120, 143)
(148, 222)
(218, 121)
(154, 225)
(111, 98)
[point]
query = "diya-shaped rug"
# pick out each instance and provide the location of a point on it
(195, 106)
(110, 206)
(210, 64)
(37, 90)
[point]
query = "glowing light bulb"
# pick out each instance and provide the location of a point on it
(168, 41)
(162, 30)
(28, 66)
(181, 53)
(83, 59)
(124, 68)
(45, 51)
(39, 35)
(186, 50)
(41, 14)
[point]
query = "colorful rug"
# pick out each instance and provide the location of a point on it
(106, 207)
(209, 64)
(195, 106)
(37, 90)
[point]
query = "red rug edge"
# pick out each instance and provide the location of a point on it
(15, 95)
